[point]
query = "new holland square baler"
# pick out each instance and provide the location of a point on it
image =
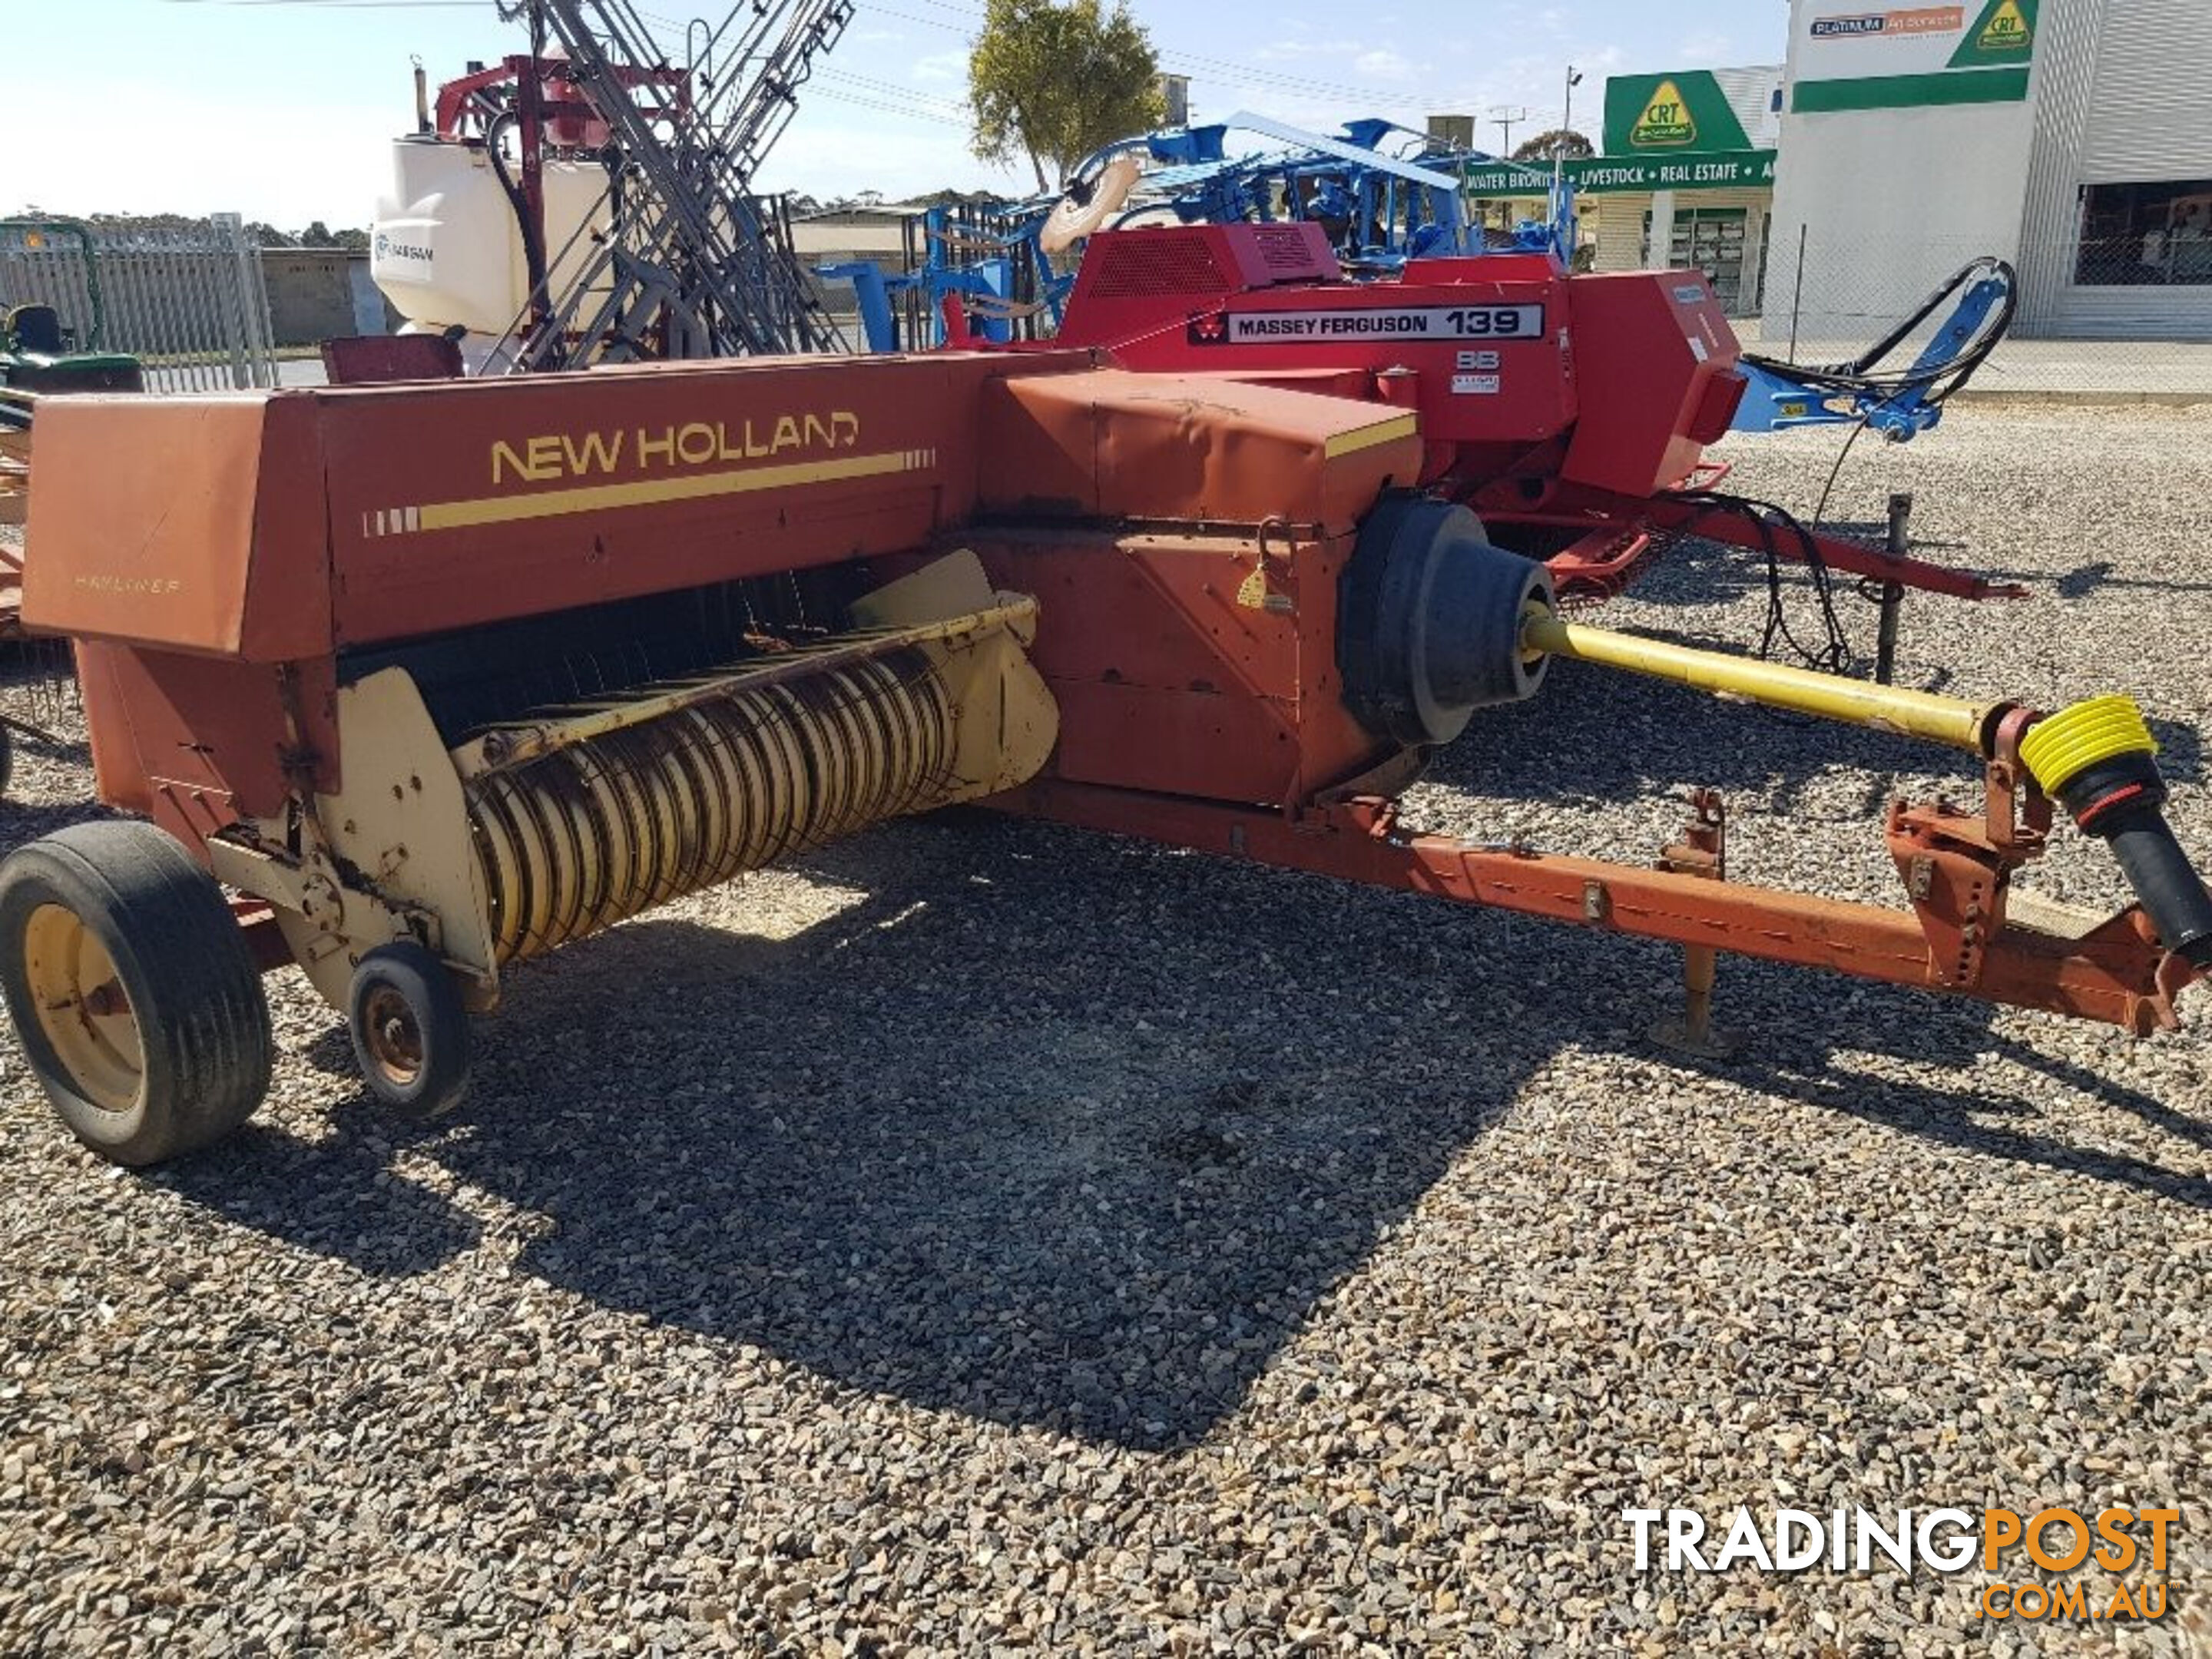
(438, 676)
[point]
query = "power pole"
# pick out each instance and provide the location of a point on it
(1506, 116)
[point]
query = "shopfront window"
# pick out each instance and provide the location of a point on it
(2133, 235)
(1709, 240)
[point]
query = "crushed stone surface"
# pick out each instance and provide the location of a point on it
(984, 1235)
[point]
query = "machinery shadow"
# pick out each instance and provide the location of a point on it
(1809, 1066)
(328, 1196)
(1701, 574)
(1060, 1197)
(21, 821)
(1876, 533)
(933, 1153)
(924, 1135)
(1595, 737)
(1694, 573)
(2085, 580)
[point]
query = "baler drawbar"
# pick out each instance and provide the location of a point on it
(439, 677)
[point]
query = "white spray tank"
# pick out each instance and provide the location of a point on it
(447, 250)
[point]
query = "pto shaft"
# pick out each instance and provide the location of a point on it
(2094, 759)
(1946, 720)
(2097, 759)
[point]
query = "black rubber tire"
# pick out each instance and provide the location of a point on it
(1429, 620)
(439, 1039)
(181, 959)
(7, 756)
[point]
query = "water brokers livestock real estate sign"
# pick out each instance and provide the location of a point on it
(1684, 130)
(1903, 58)
(1600, 175)
(1745, 169)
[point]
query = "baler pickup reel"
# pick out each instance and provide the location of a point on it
(560, 820)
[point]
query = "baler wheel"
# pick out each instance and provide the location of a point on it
(137, 999)
(411, 1030)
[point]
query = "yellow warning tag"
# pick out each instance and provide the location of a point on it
(1254, 594)
(1666, 123)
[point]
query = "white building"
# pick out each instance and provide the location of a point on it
(2073, 137)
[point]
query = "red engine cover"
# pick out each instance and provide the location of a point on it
(1478, 346)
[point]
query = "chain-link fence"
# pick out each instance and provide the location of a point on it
(189, 301)
(2104, 314)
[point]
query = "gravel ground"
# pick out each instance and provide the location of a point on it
(988, 1236)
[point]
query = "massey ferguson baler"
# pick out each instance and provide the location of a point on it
(436, 677)
(1571, 412)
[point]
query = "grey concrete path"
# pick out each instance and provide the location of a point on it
(2099, 371)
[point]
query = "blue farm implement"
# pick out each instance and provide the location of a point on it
(1899, 401)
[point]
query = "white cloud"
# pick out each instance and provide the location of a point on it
(1383, 64)
(949, 66)
(1707, 47)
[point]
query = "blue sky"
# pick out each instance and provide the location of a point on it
(284, 109)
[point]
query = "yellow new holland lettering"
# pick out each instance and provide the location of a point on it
(593, 452)
(544, 457)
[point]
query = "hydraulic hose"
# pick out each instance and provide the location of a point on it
(533, 244)
(1863, 374)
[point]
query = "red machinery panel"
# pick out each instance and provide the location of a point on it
(1189, 664)
(1480, 347)
(1113, 444)
(668, 476)
(275, 528)
(1658, 379)
(1124, 273)
(1500, 354)
(163, 551)
(1576, 406)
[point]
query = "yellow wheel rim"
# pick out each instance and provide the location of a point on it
(83, 1010)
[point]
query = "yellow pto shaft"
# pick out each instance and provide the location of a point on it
(2094, 759)
(1946, 720)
